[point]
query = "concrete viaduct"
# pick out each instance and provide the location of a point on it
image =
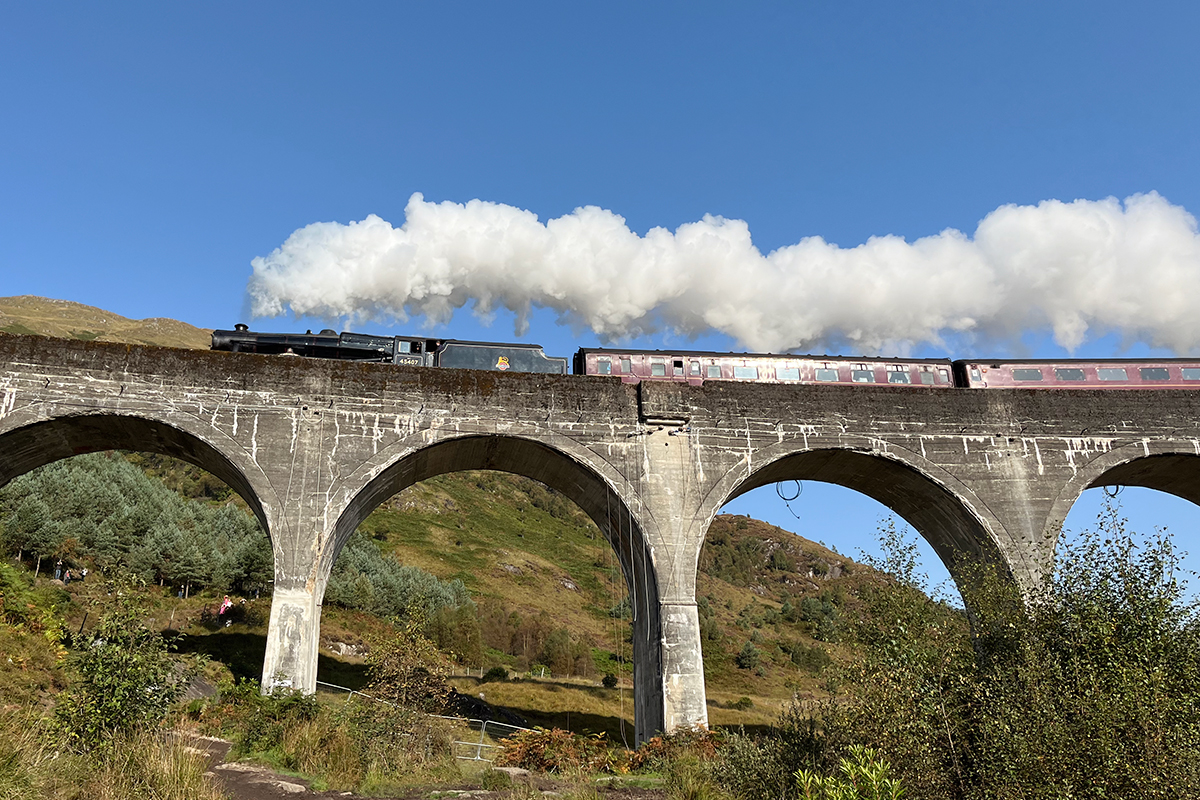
(313, 446)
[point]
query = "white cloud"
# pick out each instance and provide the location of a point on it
(1083, 268)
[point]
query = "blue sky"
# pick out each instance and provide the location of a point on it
(150, 151)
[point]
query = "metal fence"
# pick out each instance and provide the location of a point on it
(497, 730)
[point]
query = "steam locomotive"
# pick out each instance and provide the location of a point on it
(696, 367)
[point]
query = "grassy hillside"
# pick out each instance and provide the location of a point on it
(774, 607)
(66, 320)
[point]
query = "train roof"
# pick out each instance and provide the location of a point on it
(996, 362)
(718, 354)
(524, 345)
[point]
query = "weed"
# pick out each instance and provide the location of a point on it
(494, 780)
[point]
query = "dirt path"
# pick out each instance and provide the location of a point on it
(244, 781)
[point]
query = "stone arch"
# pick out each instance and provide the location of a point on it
(26, 447)
(579, 475)
(956, 523)
(1168, 465)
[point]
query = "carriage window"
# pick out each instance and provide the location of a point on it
(1027, 374)
(695, 370)
(825, 374)
(896, 376)
(1191, 374)
(1068, 373)
(975, 376)
(1154, 373)
(658, 369)
(747, 373)
(714, 370)
(862, 375)
(928, 378)
(679, 368)
(603, 367)
(789, 374)
(625, 366)
(945, 376)
(1112, 374)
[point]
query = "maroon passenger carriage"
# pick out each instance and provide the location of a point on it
(696, 367)
(1116, 373)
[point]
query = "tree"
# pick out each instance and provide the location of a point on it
(406, 669)
(127, 678)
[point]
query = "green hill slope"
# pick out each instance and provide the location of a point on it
(66, 320)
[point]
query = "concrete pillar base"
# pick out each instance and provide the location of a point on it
(684, 699)
(292, 638)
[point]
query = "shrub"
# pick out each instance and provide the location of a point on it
(1088, 688)
(753, 768)
(864, 776)
(496, 673)
(560, 751)
(494, 780)
(663, 752)
(407, 670)
(126, 678)
(609, 681)
(749, 657)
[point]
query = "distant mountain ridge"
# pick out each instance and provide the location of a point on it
(64, 319)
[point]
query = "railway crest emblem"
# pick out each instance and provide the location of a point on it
(502, 362)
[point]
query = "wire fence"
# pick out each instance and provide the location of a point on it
(486, 727)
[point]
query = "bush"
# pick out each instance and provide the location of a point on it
(407, 670)
(864, 776)
(496, 673)
(493, 780)
(663, 753)
(753, 768)
(609, 681)
(749, 657)
(1087, 689)
(126, 678)
(560, 751)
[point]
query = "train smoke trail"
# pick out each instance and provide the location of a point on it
(1082, 269)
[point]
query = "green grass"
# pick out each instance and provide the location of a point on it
(18, 328)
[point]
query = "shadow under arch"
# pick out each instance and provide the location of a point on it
(1166, 466)
(953, 526)
(28, 447)
(595, 494)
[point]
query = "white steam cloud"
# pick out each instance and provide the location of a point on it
(1082, 269)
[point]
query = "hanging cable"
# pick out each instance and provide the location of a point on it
(1111, 492)
(787, 501)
